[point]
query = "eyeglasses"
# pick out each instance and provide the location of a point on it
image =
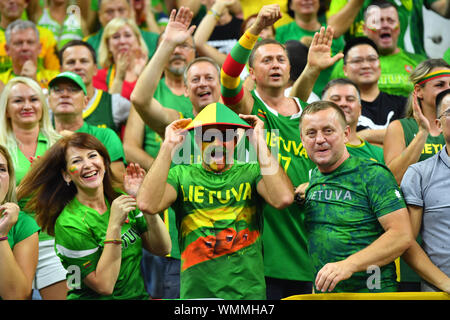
(446, 113)
(223, 136)
(185, 46)
(70, 89)
(360, 61)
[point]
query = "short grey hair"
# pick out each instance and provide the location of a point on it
(200, 59)
(19, 25)
(341, 82)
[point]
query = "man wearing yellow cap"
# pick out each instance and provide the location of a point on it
(217, 203)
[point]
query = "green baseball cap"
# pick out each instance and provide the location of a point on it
(70, 76)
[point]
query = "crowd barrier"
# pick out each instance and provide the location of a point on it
(373, 296)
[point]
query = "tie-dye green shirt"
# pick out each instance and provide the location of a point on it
(220, 227)
(342, 212)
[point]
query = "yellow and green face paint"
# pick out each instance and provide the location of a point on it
(73, 169)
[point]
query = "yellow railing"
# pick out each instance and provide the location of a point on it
(373, 296)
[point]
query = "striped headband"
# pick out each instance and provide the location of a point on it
(434, 75)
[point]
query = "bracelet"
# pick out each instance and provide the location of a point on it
(3, 238)
(214, 13)
(113, 241)
(248, 40)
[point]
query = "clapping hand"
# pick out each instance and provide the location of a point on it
(134, 176)
(9, 214)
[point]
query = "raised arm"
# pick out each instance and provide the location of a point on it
(154, 115)
(441, 7)
(133, 141)
(319, 58)
(275, 186)
(155, 194)
(234, 94)
(103, 279)
(206, 28)
(343, 19)
(397, 156)
(156, 239)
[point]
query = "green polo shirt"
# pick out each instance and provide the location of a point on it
(22, 165)
(109, 138)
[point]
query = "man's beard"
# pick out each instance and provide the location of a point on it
(178, 71)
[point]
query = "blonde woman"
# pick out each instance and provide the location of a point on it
(26, 131)
(122, 57)
(18, 238)
(417, 137)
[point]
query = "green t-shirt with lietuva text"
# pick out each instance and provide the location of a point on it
(284, 237)
(220, 225)
(79, 235)
(342, 212)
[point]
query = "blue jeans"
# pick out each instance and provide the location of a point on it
(161, 276)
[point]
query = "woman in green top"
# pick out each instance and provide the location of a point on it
(308, 21)
(26, 131)
(98, 231)
(18, 238)
(417, 137)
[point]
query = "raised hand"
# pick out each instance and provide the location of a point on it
(120, 208)
(140, 60)
(29, 69)
(267, 16)
(319, 54)
(177, 30)
(422, 121)
(134, 176)
(122, 64)
(9, 213)
(256, 137)
(175, 133)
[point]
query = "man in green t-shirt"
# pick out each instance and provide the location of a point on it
(67, 99)
(356, 217)
(217, 203)
(382, 26)
(347, 16)
(103, 110)
(286, 262)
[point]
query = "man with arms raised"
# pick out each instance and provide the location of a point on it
(286, 261)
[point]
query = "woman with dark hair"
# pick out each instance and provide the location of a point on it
(98, 231)
(19, 244)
